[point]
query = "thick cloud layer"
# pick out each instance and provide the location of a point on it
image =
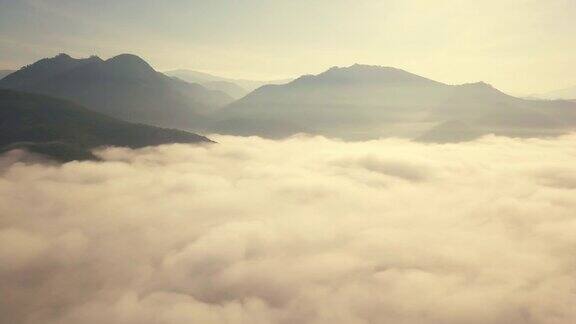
(305, 230)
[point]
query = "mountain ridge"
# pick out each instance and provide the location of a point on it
(4, 73)
(206, 79)
(67, 131)
(375, 101)
(568, 93)
(124, 86)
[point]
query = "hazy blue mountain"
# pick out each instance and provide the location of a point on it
(206, 79)
(4, 73)
(124, 87)
(364, 102)
(66, 131)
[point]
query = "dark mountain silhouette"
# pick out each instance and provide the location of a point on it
(45, 69)
(208, 79)
(124, 87)
(365, 102)
(4, 73)
(66, 131)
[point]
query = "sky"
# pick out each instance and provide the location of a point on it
(519, 46)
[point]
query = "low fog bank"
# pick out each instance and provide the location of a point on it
(304, 230)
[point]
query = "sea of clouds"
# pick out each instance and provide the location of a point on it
(304, 230)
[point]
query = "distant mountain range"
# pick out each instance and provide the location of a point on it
(353, 103)
(124, 87)
(237, 88)
(66, 131)
(365, 102)
(566, 94)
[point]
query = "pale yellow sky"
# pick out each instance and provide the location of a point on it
(520, 46)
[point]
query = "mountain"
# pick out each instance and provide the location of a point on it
(566, 94)
(208, 79)
(366, 102)
(231, 89)
(451, 131)
(67, 131)
(44, 69)
(4, 73)
(124, 87)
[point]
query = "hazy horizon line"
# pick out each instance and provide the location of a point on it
(282, 78)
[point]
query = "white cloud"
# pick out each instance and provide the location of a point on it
(305, 230)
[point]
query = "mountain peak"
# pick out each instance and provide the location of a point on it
(368, 67)
(367, 74)
(481, 87)
(60, 61)
(127, 59)
(62, 56)
(363, 68)
(65, 58)
(479, 84)
(43, 69)
(129, 64)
